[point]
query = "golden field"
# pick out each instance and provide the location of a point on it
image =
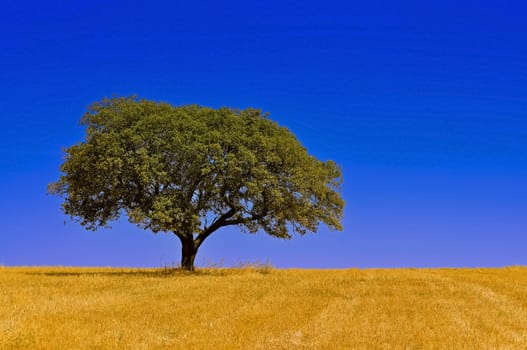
(263, 308)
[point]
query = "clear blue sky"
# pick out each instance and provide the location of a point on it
(423, 105)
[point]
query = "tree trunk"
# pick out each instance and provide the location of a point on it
(188, 253)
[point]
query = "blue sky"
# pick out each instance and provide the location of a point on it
(423, 105)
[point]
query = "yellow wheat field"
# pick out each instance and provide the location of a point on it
(261, 308)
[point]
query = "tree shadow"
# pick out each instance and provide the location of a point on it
(162, 272)
(159, 272)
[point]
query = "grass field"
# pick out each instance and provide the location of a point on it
(262, 308)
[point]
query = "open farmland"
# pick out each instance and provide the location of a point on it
(261, 308)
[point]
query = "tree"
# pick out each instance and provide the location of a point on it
(191, 170)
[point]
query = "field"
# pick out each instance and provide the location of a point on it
(263, 308)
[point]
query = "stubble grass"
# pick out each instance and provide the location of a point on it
(263, 308)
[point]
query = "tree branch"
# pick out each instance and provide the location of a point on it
(215, 225)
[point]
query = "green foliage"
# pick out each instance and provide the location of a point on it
(191, 170)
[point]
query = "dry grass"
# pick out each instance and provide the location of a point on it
(262, 308)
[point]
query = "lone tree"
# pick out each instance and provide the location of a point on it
(191, 170)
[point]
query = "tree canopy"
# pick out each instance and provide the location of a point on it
(191, 170)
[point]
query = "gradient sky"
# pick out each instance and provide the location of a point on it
(423, 105)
